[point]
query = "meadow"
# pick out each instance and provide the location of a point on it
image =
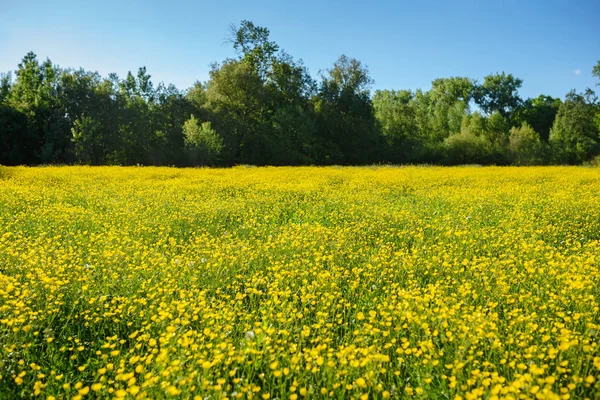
(291, 283)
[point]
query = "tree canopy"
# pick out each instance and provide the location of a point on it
(261, 106)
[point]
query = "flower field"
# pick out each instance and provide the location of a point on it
(294, 283)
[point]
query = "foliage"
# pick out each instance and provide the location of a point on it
(203, 144)
(526, 146)
(539, 113)
(470, 145)
(497, 135)
(258, 98)
(87, 136)
(499, 93)
(396, 116)
(18, 144)
(449, 102)
(267, 109)
(575, 135)
(346, 121)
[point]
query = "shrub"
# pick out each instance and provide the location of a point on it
(202, 143)
(525, 145)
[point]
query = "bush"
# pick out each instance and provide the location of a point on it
(202, 143)
(470, 146)
(467, 148)
(525, 145)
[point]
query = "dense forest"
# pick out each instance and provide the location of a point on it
(262, 107)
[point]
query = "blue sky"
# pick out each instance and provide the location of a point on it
(551, 45)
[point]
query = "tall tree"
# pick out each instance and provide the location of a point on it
(346, 119)
(596, 73)
(237, 99)
(16, 141)
(499, 92)
(575, 137)
(260, 101)
(170, 110)
(396, 117)
(453, 89)
(35, 93)
(253, 45)
(88, 140)
(135, 130)
(497, 136)
(449, 102)
(539, 114)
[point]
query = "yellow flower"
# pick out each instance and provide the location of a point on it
(206, 278)
(173, 391)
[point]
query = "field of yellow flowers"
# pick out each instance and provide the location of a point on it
(291, 283)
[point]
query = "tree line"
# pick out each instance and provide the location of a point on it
(262, 107)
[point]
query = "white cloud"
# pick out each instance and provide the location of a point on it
(577, 71)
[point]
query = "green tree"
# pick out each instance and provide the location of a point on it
(574, 137)
(497, 135)
(539, 113)
(80, 93)
(251, 98)
(450, 99)
(526, 146)
(237, 99)
(135, 128)
(35, 94)
(197, 96)
(16, 139)
(5, 87)
(453, 89)
(253, 45)
(499, 92)
(292, 140)
(291, 123)
(596, 73)
(396, 117)
(87, 137)
(169, 111)
(346, 121)
(470, 145)
(203, 144)
(17, 143)
(432, 148)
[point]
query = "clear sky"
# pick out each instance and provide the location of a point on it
(551, 45)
